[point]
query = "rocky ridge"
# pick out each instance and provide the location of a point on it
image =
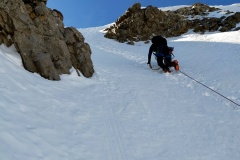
(140, 24)
(45, 45)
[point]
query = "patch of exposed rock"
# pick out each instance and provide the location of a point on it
(38, 33)
(141, 24)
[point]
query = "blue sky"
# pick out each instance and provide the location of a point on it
(93, 13)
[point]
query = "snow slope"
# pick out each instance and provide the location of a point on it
(126, 111)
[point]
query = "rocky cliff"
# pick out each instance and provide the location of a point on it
(38, 33)
(140, 24)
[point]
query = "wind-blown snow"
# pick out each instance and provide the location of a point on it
(126, 111)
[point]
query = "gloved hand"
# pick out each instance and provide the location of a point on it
(149, 64)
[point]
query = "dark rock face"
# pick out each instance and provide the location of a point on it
(141, 24)
(38, 33)
(80, 52)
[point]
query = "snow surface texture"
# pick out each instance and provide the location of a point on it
(126, 111)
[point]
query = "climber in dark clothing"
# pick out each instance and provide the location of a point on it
(162, 52)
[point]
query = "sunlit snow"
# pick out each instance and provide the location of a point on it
(126, 111)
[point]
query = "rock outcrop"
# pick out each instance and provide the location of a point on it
(38, 33)
(140, 24)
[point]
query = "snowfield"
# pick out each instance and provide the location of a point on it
(126, 111)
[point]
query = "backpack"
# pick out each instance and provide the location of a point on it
(161, 48)
(159, 40)
(162, 51)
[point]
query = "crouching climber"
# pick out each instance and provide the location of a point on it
(163, 54)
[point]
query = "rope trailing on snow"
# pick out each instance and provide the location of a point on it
(209, 88)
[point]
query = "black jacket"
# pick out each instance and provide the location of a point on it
(158, 42)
